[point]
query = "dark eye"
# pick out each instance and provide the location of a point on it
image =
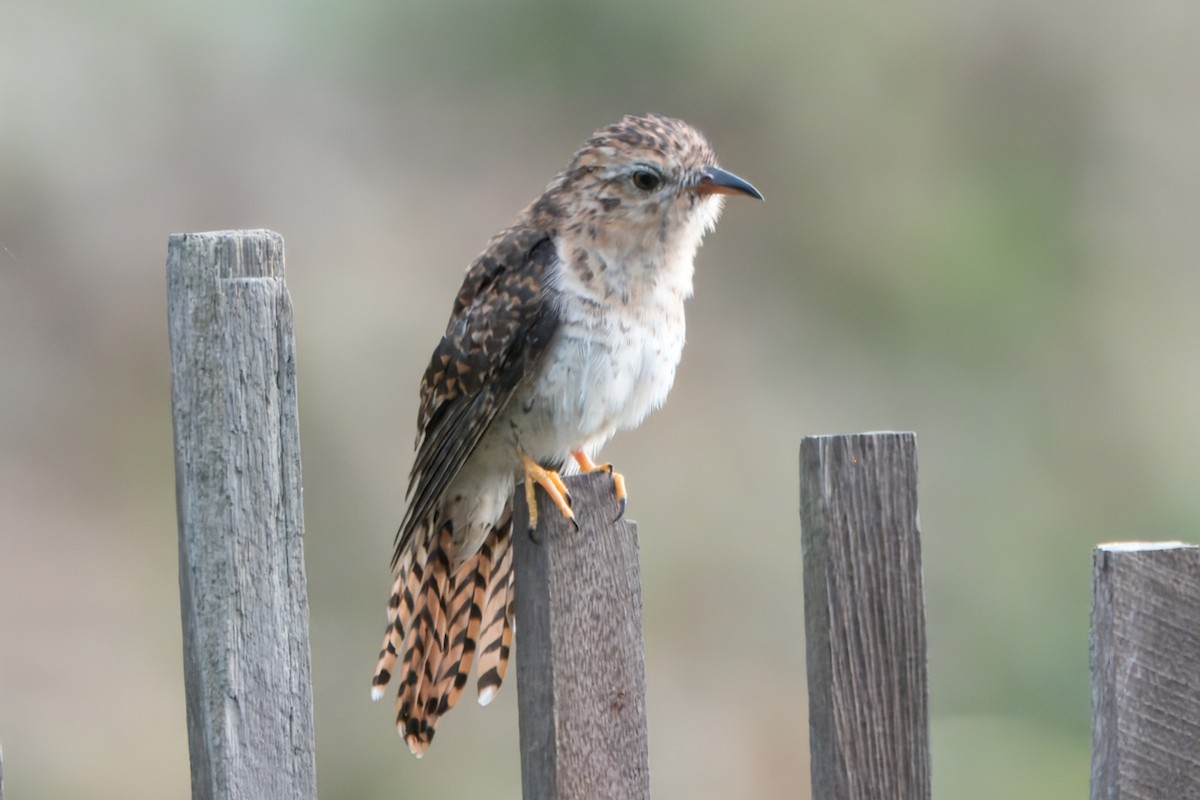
(646, 180)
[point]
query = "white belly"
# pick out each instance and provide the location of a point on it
(603, 372)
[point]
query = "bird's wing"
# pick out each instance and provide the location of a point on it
(501, 322)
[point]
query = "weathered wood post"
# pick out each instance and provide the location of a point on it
(581, 678)
(1145, 659)
(864, 617)
(247, 663)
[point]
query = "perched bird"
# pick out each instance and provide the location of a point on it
(567, 328)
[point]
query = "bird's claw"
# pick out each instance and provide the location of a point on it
(620, 509)
(619, 490)
(552, 483)
(586, 465)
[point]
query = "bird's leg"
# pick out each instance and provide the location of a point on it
(586, 465)
(552, 483)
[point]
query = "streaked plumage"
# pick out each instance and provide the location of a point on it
(567, 328)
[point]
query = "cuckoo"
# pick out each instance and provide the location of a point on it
(568, 327)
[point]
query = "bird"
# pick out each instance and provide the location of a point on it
(568, 327)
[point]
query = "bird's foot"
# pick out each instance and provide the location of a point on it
(552, 483)
(586, 465)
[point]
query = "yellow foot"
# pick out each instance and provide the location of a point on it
(549, 480)
(586, 465)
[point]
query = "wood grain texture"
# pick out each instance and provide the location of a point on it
(247, 663)
(1145, 662)
(580, 665)
(864, 617)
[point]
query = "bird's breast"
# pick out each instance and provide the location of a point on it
(608, 366)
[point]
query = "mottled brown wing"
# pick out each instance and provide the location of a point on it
(500, 325)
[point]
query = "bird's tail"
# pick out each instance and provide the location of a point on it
(438, 615)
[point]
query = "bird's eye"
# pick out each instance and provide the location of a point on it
(646, 180)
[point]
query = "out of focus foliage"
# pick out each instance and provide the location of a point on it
(980, 225)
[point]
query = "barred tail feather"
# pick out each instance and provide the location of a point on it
(470, 584)
(393, 640)
(495, 641)
(426, 644)
(441, 621)
(410, 574)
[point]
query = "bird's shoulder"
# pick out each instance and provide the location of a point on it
(499, 313)
(508, 269)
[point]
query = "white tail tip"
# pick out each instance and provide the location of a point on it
(377, 693)
(416, 746)
(487, 695)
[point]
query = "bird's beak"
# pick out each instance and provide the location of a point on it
(715, 180)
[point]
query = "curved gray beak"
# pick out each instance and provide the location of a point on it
(715, 180)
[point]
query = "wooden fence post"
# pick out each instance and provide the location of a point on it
(580, 663)
(1145, 660)
(864, 617)
(247, 663)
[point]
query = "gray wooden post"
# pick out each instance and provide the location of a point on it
(864, 617)
(581, 678)
(1145, 659)
(237, 482)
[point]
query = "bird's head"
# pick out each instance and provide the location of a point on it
(645, 180)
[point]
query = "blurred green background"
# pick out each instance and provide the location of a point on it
(981, 225)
